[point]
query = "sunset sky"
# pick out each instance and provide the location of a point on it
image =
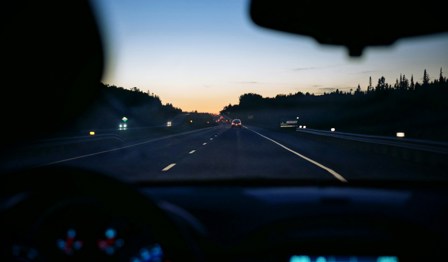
(202, 55)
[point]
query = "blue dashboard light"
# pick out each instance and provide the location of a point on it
(61, 244)
(111, 233)
(77, 245)
(152, 253)
(157, 251)
(145, 255)
(303, 258)
(300, 259)
(387, 259)
(321, 259)
(71, 233)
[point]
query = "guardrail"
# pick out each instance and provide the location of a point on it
(409, 143)
(416, 150)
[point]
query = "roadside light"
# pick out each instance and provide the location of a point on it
(400, 134)
(169, 123)
(92, 133)
(191, 121)
(333, 129)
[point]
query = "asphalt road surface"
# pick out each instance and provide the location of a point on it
(222, 152)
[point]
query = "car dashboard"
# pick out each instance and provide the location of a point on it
(77, 215)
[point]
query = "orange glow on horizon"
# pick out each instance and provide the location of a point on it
(201, 105)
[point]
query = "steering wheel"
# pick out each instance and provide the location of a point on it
(71, 214)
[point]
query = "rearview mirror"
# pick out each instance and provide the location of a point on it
(355, 25)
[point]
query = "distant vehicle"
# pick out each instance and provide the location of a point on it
(236, 123)
(222, 120)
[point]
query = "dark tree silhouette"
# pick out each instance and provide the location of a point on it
(381, 110)
(141, 108)
(425, 78)
(441, 78)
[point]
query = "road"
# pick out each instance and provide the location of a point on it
(222, 152)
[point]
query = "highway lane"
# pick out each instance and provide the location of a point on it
(247, 153)
(241, 153)
(219, 152)
(353, 162)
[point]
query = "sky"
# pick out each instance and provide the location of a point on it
(202, 55)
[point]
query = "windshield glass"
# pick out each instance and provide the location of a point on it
(178, 72)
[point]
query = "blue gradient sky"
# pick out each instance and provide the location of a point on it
(202, 55)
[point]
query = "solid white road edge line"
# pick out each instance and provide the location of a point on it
(329, 170)
(191, 152)
(168, 167)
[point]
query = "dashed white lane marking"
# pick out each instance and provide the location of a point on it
(204, 144)
(191, 152)
(329, 170)
(168, 167)
(124, 147)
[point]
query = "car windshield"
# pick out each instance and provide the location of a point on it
(178, 72)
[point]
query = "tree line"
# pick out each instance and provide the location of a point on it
(114, 102)
(382, 108)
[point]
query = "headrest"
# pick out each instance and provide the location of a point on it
(52, 60)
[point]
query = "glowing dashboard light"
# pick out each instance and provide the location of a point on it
(69, 245)
(24, 253)
(145, 255)
(71, 233)
(387, 259)
(110, 244)
(304, 258)
(153, 253)
(333, 129)
(300, 259)
(400, 134)
(321, 259)
(110, 233)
